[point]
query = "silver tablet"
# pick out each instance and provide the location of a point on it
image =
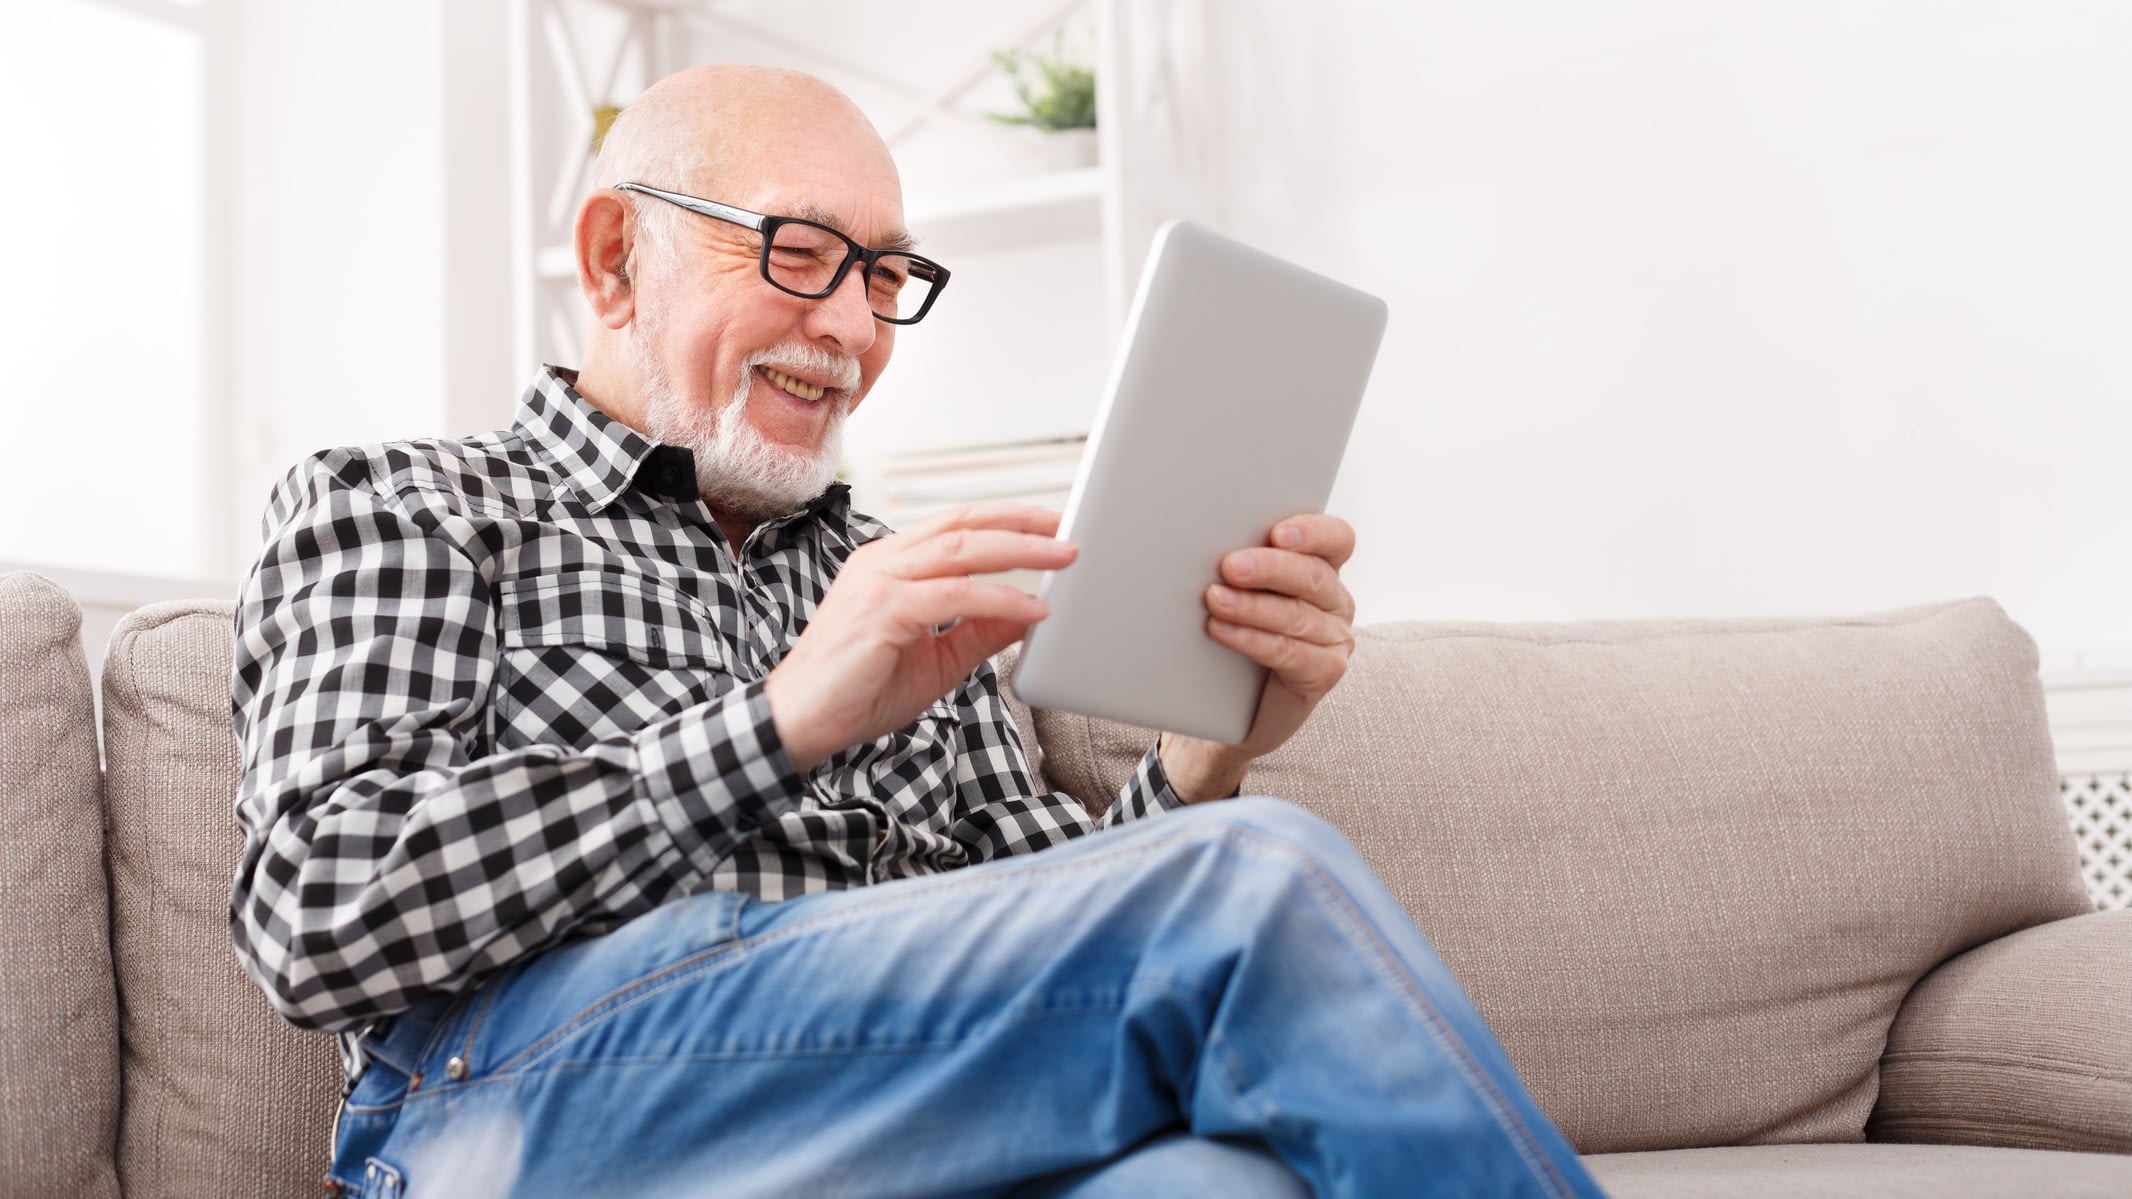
(1228, 409)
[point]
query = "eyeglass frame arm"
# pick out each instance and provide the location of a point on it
(709, 208)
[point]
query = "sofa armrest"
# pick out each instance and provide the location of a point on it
(2025, 1041)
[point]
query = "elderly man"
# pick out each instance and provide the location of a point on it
(651, 824)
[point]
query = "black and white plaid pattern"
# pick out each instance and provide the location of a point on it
(497, 693)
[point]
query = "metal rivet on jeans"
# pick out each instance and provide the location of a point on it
(456, 1068)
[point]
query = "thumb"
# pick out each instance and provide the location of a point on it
(974, 640)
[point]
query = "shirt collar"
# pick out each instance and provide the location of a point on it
(602, 457)
(598, 455)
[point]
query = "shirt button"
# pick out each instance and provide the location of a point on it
(456, 1069)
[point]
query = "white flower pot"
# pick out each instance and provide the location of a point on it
(1068, 149)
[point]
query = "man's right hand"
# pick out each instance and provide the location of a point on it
(870, 662)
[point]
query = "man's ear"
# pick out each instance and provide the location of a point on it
(605, 242)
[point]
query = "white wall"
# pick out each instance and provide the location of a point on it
(1714, 309)
(103, 324)
(371, 277)
(1697, 309)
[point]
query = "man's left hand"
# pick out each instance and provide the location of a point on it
(1282, 605)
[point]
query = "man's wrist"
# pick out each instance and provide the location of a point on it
(791, 733)
(1201, 770)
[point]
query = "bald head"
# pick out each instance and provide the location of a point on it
(729, 129)
(689, 340)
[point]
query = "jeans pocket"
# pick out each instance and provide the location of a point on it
(530, 1007)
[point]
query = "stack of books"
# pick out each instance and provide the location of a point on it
(904, 488)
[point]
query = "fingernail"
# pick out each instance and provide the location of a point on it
(1241, 567)
(1288, 535)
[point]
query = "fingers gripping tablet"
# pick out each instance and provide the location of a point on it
(1228, 408)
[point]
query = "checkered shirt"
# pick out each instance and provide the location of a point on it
(498, 693)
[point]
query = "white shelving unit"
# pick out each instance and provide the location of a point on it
(1031, 211)
(923, 71)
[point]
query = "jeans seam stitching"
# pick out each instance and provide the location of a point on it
(949, 883)
(625, 995)
(588, 1018)
(1430, 1017)
(500, 1079)
(466, 1047)
(660, 980)
(435, 1036)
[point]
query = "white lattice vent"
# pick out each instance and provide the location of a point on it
(2101, 809)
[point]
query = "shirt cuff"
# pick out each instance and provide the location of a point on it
(716, 772)
(1147, 793)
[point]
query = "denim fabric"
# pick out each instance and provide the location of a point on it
(1222, 993)
(1177, 1166)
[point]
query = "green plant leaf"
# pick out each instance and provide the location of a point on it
(1061, 95)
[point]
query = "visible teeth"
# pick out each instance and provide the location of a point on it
(805, 391)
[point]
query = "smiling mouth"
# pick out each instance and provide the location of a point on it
(797, 387)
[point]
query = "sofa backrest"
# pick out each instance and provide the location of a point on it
(222, 1097)
(58, 1014)
(1688, 870)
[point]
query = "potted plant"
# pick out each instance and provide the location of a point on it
(1058, 98)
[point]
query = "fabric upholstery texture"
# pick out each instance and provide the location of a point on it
(1862, 1172)
(1757, 836)
(2025, 1042)
(222, 1097)
(1687, 869)
(59, 1017)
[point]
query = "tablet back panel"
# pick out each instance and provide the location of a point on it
(1228, 409)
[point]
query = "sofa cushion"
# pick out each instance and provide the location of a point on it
(222, 1097)
(2025, 1042)
(1687, 869)
(1861, 1172)
(58, 1014)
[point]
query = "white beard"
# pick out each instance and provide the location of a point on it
(739, 471)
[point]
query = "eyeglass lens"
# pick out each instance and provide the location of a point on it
(804, 258)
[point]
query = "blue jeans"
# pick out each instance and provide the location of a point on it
(1219, 1001)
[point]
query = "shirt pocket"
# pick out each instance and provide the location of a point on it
(589, 654)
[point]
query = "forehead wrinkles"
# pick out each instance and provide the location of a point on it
(893, 238)
(869, 212)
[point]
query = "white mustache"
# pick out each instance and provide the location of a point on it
(807, 361)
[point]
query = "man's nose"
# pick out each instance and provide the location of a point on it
(844, 316)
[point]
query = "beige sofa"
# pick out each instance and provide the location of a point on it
(1759, 908)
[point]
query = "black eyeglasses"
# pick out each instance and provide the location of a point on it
(810, 260)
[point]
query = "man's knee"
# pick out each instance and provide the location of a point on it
(1278, 819)
(1300, 836)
